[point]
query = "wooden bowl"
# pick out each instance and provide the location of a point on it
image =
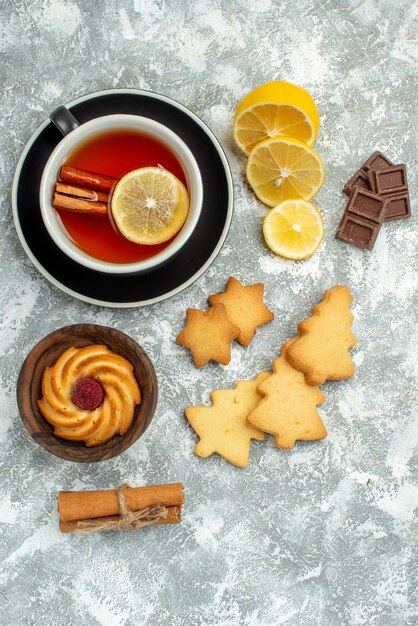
(46, 353)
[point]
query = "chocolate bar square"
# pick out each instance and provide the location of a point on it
(398, 207)
(367, 204)
(358, 231)
(375, 161)
(389, 180)
(360, 179)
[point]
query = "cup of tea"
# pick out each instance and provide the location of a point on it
(82, 173)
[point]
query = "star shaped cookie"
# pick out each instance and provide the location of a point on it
(223, 427)
(244, 307)
(208, 335)
(288, 410)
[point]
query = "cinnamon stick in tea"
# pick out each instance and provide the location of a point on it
(83, 178)
(81, 192)
(81, 505)
(79, 205)
(173, 517)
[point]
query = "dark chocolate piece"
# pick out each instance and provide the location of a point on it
(389, 180)
(358, 231)
(375, 161)
(362, 218)
(398, 207)
(360, 179)
(378, 192)
(367, 204)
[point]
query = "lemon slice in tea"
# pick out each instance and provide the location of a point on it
(149, 205)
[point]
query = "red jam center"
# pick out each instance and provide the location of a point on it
(88, 394)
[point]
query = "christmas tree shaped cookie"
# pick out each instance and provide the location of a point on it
(288, 410)
(222, 427)
(321, 351)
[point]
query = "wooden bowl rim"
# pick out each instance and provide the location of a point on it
(119, 443)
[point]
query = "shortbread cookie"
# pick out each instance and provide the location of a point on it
(321, 351)
(244, 307)
(89, 395)
(222, 427)
(288, 410)
(208, 335)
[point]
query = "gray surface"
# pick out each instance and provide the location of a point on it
(324, 534)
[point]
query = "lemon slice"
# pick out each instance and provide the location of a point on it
(293, 229)
(149, 205)
(277, 108)
(283, 168)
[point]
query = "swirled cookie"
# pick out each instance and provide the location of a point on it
(89, 395)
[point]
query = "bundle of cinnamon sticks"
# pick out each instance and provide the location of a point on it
(82, 191)
(87, 511)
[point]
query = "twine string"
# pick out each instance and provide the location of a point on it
(126, 520)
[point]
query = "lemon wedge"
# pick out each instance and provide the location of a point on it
(277, 108)
(149, 205)
(294, 229)
(283, 168)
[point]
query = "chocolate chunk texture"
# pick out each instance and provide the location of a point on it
(363, 216)
(375, 162)
(399, 207)
(360, 179)
(367, 204)
(389, 180)
(378, 192)
(358, 231)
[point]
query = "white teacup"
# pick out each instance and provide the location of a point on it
(78, 134)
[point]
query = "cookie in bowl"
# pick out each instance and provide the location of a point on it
(89, 395)
(91, 383)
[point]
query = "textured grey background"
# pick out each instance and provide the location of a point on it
(324, 534)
